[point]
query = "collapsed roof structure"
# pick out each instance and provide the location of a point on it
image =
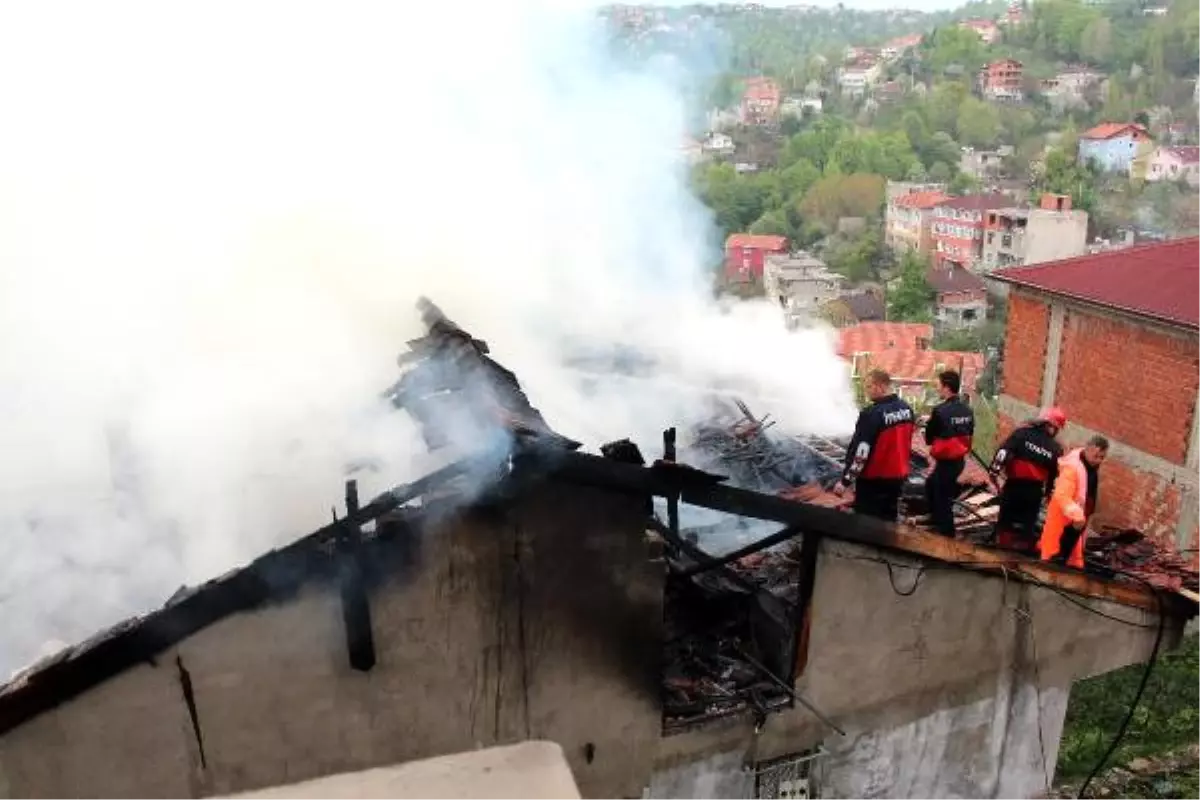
(734, 628)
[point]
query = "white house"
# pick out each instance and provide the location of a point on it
(1175, 164)
(719, 143)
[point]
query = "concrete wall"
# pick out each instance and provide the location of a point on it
(543, 623)
(1132, 380)
(940, 693)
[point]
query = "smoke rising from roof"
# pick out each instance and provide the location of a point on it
(215, 220)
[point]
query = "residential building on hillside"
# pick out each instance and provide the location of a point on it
(855, 307)
(986, 29)
(1014, 15)
(854, 79)
(802, 106)
(1070, 88)
(960, 296)
(1113, 146)
(1017, 236)
(903, 349)
(984, 165)
(760, 101)
(1175, 164)
(1112, 339)
(719, 144)
(745, 254)
(1003, 81)
(897, 47)
(958, 226)
(908, 221)
(894, 189)
(801, 283)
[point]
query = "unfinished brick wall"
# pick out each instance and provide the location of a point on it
(1025, 347)
(1131, 382)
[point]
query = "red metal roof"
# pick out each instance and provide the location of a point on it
(1107, 130)
(953, 278)
(757, 241)
(978, 202)
(1160, 280)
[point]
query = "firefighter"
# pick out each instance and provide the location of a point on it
(1029, 461)
(948, 433)
(1073, 503)
(877, 460)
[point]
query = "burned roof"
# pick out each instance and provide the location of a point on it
(537, 453)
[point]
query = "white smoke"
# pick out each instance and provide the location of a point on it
(215, 219)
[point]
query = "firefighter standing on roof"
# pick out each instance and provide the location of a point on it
(1073, 503)
(1029, 461)
(948, 433)
(877, 460)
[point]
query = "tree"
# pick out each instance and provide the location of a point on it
(917, 173)
(772, 222)
(912, 298)
(940, 172)
(1062, 174)
(797, 178)
(836, 195)
(860, 259)
(1096, 42)
(964, 184)
(978, 123)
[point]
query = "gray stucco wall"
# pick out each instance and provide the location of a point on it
(939, 692)
(545, 622)
(532, 623)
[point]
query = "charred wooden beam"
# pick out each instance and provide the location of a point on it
(356, 609)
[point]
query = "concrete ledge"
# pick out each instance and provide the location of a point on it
(1183, 476)
(526, 770)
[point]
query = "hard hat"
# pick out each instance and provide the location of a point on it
(1055, 416)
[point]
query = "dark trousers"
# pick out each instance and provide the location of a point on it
(941, 487)
(1017, 524)
(878, 497)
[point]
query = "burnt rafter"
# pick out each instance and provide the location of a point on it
(450, 380)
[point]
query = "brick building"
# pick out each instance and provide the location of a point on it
(760, 101)
(1112, 338)
(746, 252)
(1003, 81)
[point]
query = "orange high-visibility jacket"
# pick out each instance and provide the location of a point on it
(1067, 506)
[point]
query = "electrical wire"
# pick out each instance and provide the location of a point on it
(1137, 697)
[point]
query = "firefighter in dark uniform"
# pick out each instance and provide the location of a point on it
(1029, 461)
(949, 432)
(877, 460)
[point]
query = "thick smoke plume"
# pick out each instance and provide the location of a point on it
(215, 219)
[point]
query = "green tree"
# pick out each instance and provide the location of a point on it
(940, 172)
(1096, 41)
(978, 123)
(797, 178)
(837, 195)
(912, 298)
(772, 222)
(1062, 174)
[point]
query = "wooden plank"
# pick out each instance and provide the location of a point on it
(977, 500)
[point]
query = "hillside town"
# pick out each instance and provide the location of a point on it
(910, 307)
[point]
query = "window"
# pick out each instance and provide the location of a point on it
(795, 776)
(968, 314)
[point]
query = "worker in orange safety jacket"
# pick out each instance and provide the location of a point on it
(1073, 503)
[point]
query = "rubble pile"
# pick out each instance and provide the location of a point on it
(707, 673)
(1129, 551)
(736, 443)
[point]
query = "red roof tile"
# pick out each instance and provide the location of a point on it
(871, 337)
(919, 366)
(923, 199)
(760, 242)
(1160, 280)
(1107, 130)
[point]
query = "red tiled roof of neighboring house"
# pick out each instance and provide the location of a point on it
(954, 279)
(1107, 130)
(920, 366)
(923, 199)
(1159, 280)
(1186, 155)
(978, 24)
(977, 202)
(757, 241)
(872, 337)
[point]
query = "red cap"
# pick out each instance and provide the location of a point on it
(1055, 416)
